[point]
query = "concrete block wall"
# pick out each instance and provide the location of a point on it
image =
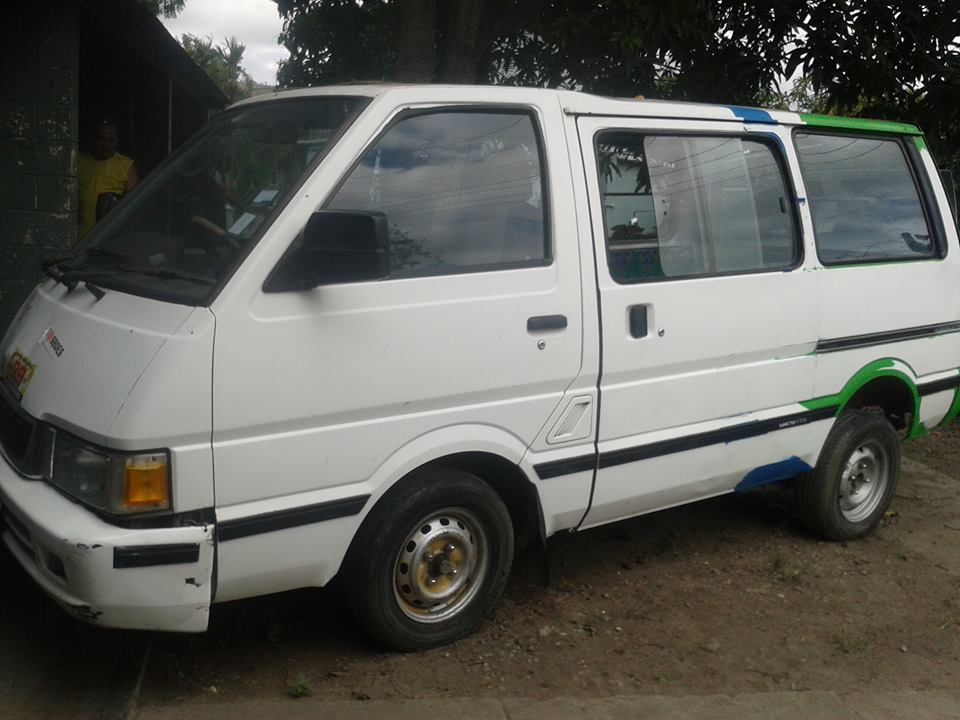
(38, 142)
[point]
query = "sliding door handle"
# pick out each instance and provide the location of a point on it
(539, 323)
(638, 321)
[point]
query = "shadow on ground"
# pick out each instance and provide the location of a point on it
(52, 666)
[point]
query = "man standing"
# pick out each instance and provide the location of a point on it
(105, 171)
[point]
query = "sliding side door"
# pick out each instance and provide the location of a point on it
(709, 316)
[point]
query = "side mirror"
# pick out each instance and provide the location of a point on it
(342, 246)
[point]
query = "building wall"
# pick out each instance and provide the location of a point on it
(38, 142)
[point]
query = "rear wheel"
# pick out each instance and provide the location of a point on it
(431, 560)
(847, 494)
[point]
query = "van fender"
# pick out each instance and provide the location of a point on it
(882, 368)
(437, 445)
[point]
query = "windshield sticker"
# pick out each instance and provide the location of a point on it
(265, 197)
(51, 343)
(241, 224)
(18, 373)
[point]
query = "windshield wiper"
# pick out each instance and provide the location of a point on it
(70, 276)
(69, 279)
(168, 274)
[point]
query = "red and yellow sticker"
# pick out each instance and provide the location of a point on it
(18, 373)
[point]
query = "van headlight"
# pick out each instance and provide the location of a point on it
(120, 483)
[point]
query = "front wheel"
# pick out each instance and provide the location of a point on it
(431, 560)
(848, 492)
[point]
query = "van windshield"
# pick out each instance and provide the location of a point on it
(180, 234)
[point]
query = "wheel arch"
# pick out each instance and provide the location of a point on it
(495, 457)
(889, 384)
(513, 486)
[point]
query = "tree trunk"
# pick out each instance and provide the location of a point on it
(469, 29)
(416, 43)
(465, 40)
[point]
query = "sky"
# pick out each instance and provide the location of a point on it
(255, 23)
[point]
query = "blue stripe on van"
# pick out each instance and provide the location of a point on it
(775, 472)
(751, 115)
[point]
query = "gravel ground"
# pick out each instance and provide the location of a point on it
(727, 595)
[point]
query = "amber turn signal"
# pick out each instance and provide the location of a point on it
(146, 482)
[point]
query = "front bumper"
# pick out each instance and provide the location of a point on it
(144, 579)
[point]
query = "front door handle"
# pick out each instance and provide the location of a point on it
(546, 322)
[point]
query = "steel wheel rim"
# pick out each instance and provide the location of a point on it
(863, 482)
(441, 565)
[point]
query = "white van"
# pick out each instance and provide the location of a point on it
(392, 333)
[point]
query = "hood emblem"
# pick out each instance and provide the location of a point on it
(51, 343)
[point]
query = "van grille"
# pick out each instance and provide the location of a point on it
(16, 428)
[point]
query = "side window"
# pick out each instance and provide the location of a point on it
(462, 192)
(863, 199)
(684, 206)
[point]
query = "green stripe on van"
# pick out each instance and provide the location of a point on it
(878, 368)
(847, 123)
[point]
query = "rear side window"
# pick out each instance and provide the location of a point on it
(462, 192)
(863, 198)
(686, 206)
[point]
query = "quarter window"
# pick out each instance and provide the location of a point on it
(684, 206)
(462, 192)
(863, 199)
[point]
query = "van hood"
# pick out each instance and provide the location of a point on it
(73, 360)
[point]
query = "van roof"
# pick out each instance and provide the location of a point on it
(580, 103)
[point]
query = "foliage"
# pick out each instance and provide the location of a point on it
(800, 96)
(700, 49)
(223, 63)
(890, 59)
(165, 8)
(299, 688)
(704, 50)
(336, 41)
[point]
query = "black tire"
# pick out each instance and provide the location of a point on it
(430, 561)
(848, 492)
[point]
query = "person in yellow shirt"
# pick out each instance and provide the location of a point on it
(104, 171)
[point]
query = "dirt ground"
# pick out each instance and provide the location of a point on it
(727, 595)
